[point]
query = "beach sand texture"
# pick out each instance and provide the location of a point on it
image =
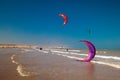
(35, 64)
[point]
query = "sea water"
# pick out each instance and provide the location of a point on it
(60, 64)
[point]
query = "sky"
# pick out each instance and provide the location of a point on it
(37, 22)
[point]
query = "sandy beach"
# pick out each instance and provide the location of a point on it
(7, 68)
(35, 64)
(59, 39)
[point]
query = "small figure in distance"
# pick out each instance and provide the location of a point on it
(40, 48)
(67, 49)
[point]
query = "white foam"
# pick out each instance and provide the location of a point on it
(60, 52)
(72, 57)
(21, 71)
(15, 62)
(20, 68)
(98, 62)
(13, 56)
(108, 57)
(13, 59)
(27, 50)
(108, 64)
(75, 50)
(66, 54)
(41, 51)
(101, 52)
(99, 56)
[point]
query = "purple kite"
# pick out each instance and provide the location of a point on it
(91, 53)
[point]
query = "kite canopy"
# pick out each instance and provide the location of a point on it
(91, 53)
(65, 18)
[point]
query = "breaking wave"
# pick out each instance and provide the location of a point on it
(111, 61)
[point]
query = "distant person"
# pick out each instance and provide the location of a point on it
(67, 50)
(40, 48)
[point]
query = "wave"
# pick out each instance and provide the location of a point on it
(99, 56)
(26, 50)
(44, 51)
(13, 59)
(101, 59)
(98, 62)
(20, 69)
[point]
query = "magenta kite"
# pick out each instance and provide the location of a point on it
(91, 53)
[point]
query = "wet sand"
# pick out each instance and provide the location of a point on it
(7, 68)
(47, 66)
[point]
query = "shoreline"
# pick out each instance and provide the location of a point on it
(8, 69)
(16, 64)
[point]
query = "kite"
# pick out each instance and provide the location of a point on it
(65, 18)
(89, 31)
(91, 53)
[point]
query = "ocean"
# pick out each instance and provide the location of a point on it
(59, 64)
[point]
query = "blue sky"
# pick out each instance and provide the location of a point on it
(37, 22)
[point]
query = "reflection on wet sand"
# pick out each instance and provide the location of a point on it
(90, 70)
